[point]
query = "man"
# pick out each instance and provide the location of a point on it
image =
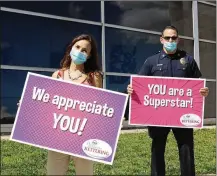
(171, 62)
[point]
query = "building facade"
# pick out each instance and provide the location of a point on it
(34, 36)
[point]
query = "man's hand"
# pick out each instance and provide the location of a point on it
(204, 91)
(129, 89)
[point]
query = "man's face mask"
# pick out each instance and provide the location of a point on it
(78, 57)
(170, 46)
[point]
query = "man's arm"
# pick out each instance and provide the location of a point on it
(204, 91)
(145, 71)
(146, 68)
(195, 71)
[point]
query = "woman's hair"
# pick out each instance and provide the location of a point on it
(91, 65)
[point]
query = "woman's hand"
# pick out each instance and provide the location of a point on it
(18, 104)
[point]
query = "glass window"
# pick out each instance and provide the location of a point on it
(74, 9)
(126, 51)
(117, 83)
(210, 102)
(151, 15)
(208, 60)
(12, 82)
(39, 42)
(213, 1)
(207, 21)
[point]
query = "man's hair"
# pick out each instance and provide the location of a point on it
(170, 27)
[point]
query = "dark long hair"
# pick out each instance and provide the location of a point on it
(91, 65)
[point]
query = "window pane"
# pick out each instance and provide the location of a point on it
(126, 51)
(117, 83)
(208, 60)
(74, 9)
(39, 42)
(150, 15)
(207, 21)
(210, 102)
(213, 1)
(12, 83)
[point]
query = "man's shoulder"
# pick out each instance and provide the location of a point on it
(184, 54)
(154, 56)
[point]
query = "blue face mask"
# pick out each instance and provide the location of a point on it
(170, 46)
(78, 57)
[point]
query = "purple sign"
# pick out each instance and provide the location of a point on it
(70, 118)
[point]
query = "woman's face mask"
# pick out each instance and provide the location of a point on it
(80, 52)
(77, 56)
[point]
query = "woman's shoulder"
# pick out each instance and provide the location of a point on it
(54, 75)
(58, 73)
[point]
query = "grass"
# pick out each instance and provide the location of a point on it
(132, 156)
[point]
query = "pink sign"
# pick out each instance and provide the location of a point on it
(70, 118)
(166, 101)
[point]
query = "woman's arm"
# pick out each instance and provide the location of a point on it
(97, 79)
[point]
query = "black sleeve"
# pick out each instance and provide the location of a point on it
(146, 68)
(195, 71)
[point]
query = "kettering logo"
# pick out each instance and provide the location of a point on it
(96, 148)
(190, 120)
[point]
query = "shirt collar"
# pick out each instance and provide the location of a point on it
(163, 54)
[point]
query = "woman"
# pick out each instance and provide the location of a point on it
(80, 65)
